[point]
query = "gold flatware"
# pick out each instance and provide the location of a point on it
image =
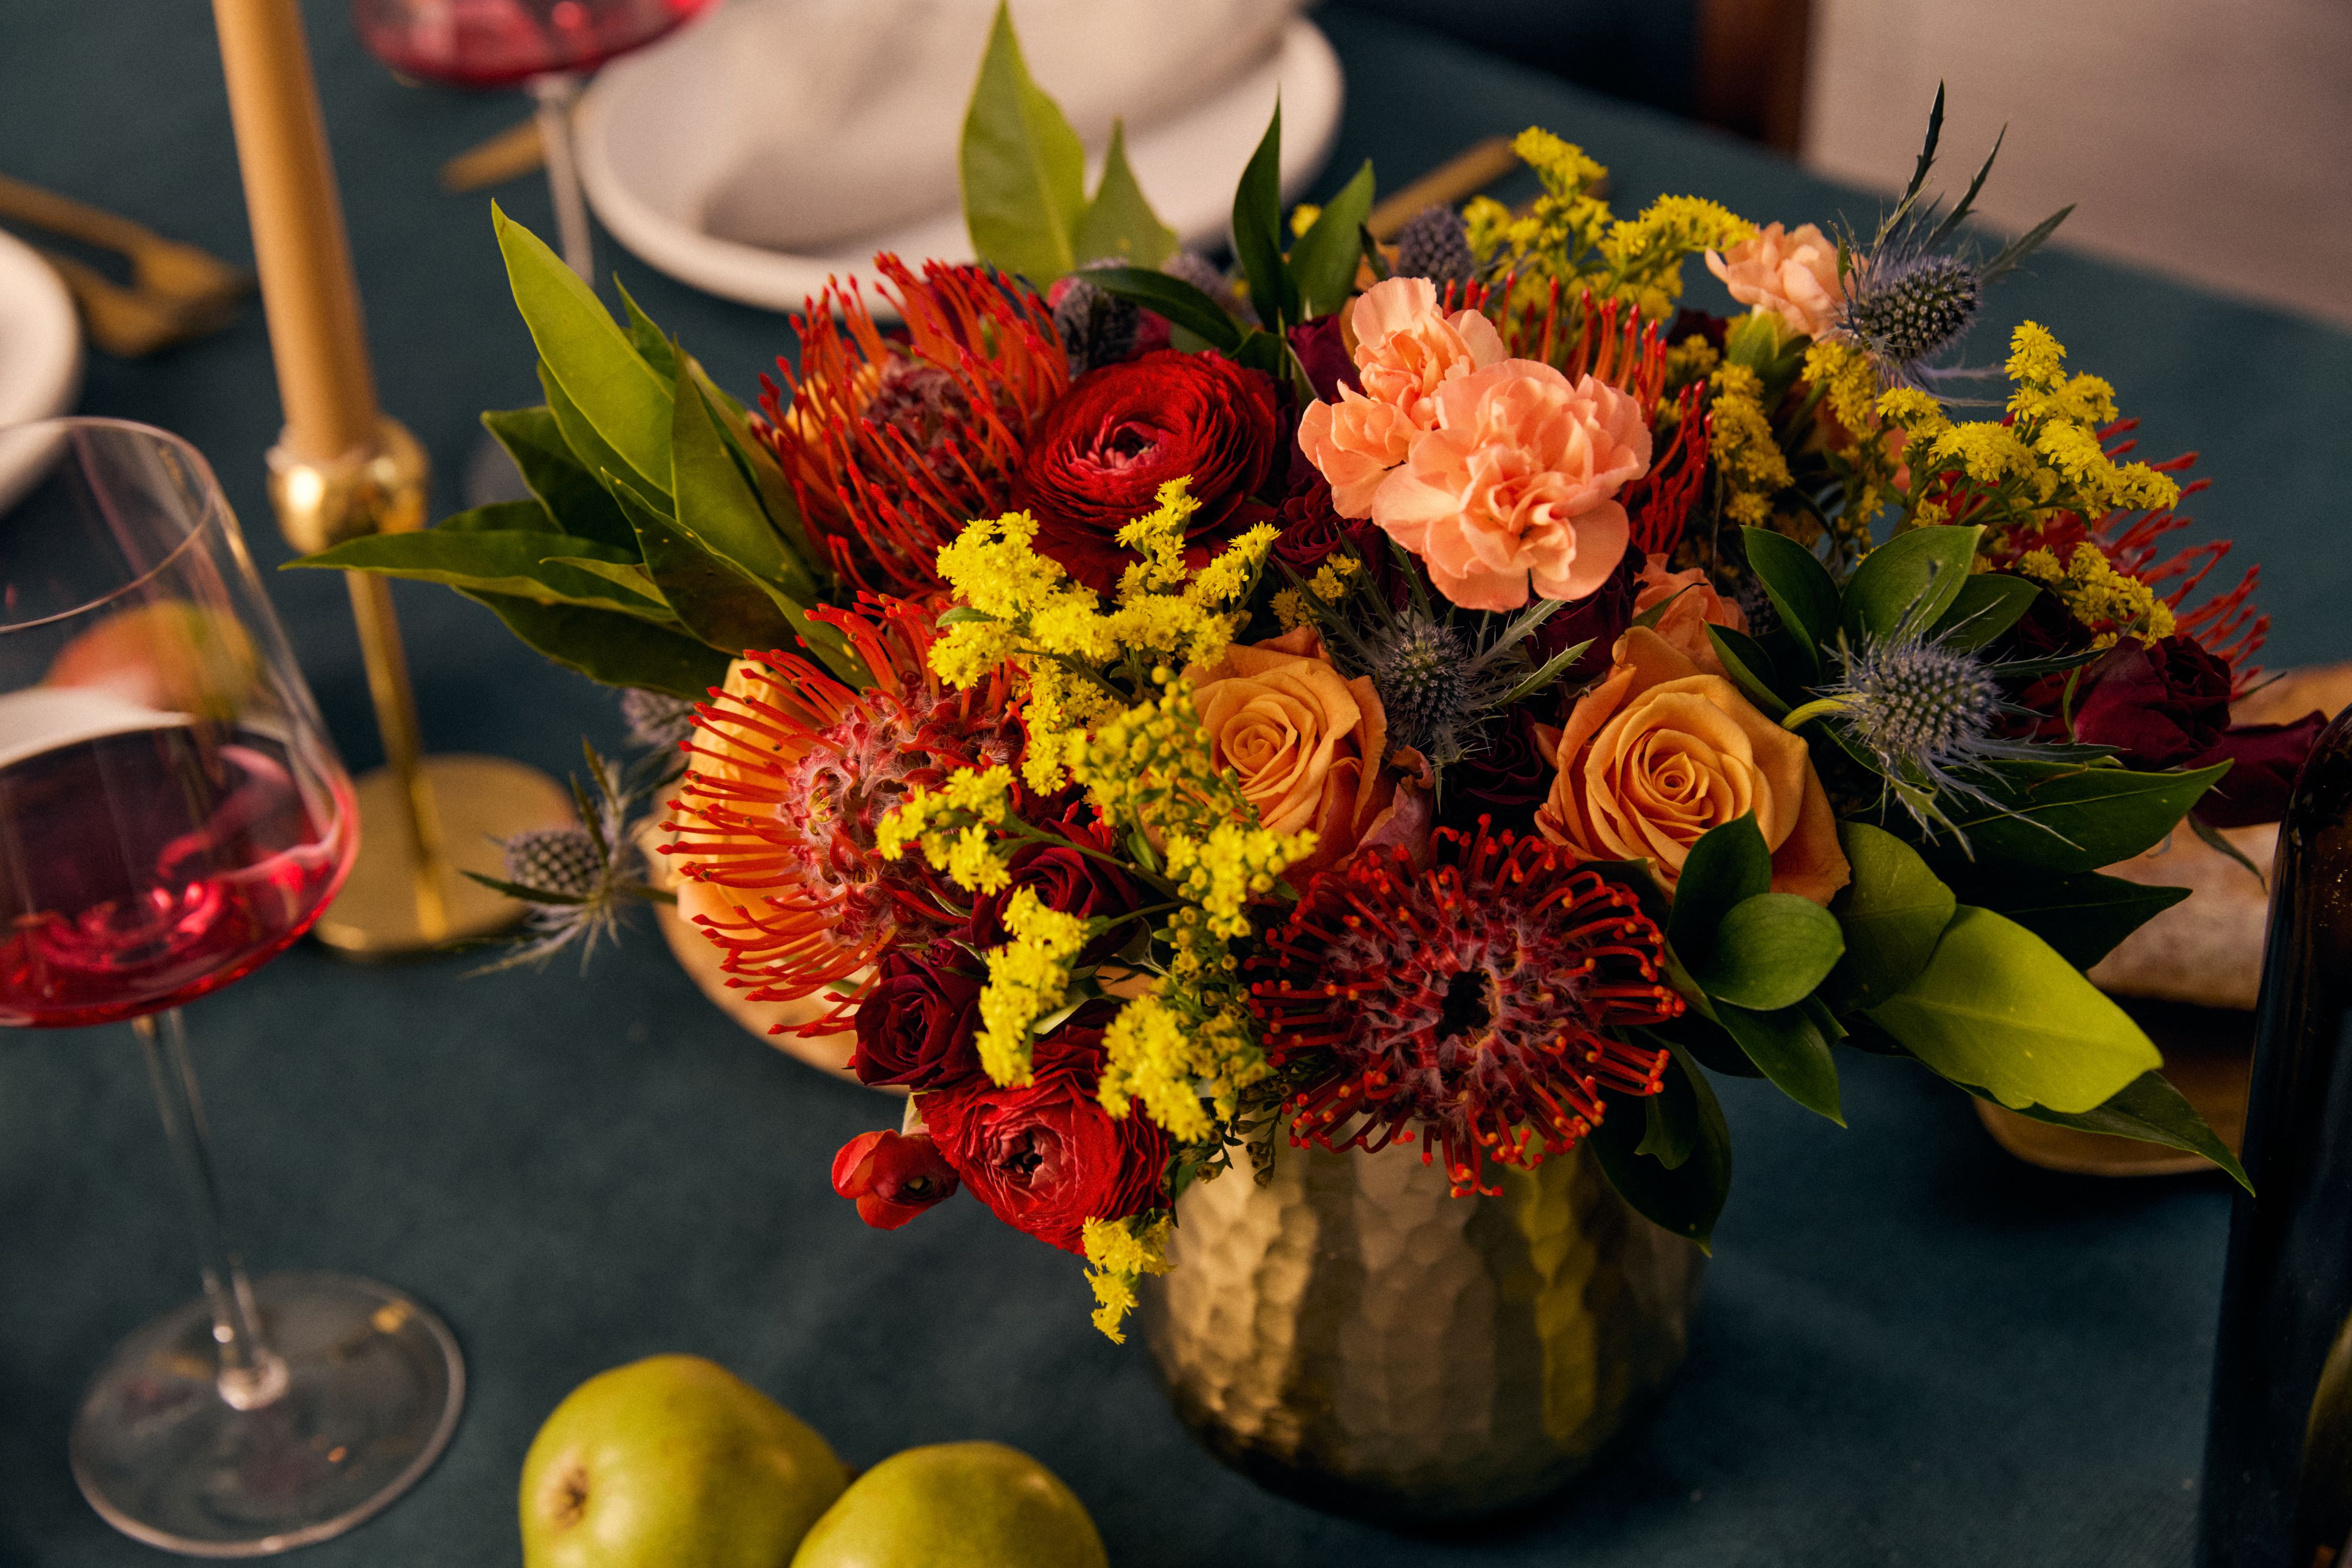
(165, 268)
(131, 323)
(1464, 175)
(511, 154)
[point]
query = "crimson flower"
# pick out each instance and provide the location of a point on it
(917, 1025)
(894, 1177)
(1463, 1005)
(1047, 1157)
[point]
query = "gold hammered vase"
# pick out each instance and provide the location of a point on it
(1350, 1335)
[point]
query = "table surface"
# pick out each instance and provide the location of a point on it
(1912, 1348)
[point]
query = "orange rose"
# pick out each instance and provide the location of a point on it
(1306, 744)
(1692, 606)
(1661, 751)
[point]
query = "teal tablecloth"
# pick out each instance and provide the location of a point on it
(1912, 1349)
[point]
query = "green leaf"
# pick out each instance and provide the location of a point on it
(1892, 912)
(630, 575)
(588, 447)
(1988, 604)
(521, 563)
(1324, 259)
(499, 518)
(611, 385)
(1729, 865)
(564, 486)
(652, 344)
(2070, 817)
(1184, 305)
(1671, 1129)
(2219, 842)
(1257, 231)
(1770, 951)
(1999, 1008)
(1791, 1048)
(1684, 1198)
(1798, 584)
(718, 505)
(1750, 668)
(759, 466)
(1908, 582)
(715, 599)
(618, 650)
(2150, 1109)
(2082, 916)
(1025, 169)
(1120, 222)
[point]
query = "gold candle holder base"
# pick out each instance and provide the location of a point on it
(423, 820)
(478, 800)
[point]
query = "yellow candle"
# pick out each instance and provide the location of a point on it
(316, 334)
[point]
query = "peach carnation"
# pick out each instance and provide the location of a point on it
(1404, 350)
(1516, 484)
(1691, 605)
(1793, 274)
(1661, 751)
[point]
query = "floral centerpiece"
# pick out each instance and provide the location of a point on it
(1443, 694)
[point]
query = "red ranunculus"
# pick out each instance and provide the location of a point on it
(1066, 879)
(2263, 760)
(916, 1027)
(893, 1178)
(1046, 1158)
(1322, 351)
(2156, 704)
(1096, 460)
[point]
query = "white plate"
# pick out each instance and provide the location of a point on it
(40, 337)
(667, 154)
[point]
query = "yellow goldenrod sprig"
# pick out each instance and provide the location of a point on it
(1119, 1253)
(955, 824)
(1028, 980)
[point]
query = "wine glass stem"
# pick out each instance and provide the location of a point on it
(251, 1374)
(556, 92)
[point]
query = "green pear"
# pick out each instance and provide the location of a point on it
(673, 1462)
(955, 1505)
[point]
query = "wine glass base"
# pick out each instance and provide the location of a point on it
(373, 1386)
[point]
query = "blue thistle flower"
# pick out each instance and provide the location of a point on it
(1098, 328)
(1436, 244)
(1909, 299)
(579, 881)
(656, 721)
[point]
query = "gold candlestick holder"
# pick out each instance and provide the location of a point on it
(424, 821)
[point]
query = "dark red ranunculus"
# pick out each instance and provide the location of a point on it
(1323, 354)
(1047, 1158)
(2156, 705)
(916, 1027)
(1066, 879)
(1505, 780)
(894, 1177)
(1098, 458)
(2264, 759)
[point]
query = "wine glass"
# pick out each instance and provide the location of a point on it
(171, 816)
(548, 44)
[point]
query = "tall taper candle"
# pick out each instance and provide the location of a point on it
(299, 244)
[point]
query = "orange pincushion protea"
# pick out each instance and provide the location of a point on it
(892, 445)
(792, 772)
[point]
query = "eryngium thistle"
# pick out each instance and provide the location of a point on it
(656, 720)
(562, 860)
(1906, 310)
(1423, 672)
(1435, 244)
(1096, 327)
(1929, 716)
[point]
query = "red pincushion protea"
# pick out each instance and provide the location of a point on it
(791, 773)
(890, 444)
(1463, 1004)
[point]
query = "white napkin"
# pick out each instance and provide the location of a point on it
(858, 106)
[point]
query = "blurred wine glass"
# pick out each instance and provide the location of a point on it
(171, 816)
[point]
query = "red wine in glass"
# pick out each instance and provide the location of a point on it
(152, 866)
(505, 43)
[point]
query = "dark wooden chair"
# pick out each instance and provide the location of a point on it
(1736, 64)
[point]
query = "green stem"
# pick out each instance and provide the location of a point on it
(1820, 707)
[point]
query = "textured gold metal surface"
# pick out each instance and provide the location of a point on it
(1352, 1337)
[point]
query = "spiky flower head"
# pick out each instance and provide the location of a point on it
(656, 721)
(554, 859)
(579, 880)
(1098, 328)
(1907, 310)
(1466, 1004)
(1929, 714)
(1435, 244)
